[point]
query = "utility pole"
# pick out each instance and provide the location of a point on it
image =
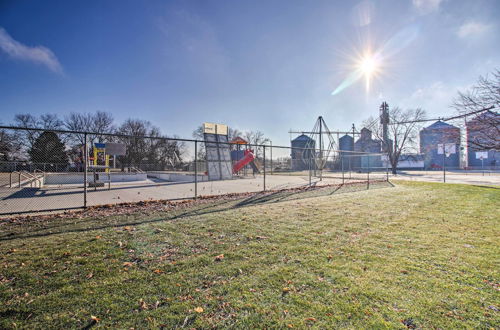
(384, 121)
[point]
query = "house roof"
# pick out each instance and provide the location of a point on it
(239, 140)
(485, 115)
(440, 125)
(302, 137)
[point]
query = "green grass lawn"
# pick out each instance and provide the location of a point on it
(419, 255)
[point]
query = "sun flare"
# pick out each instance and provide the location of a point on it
(369, 67)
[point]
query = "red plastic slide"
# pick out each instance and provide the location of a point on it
(249, 156)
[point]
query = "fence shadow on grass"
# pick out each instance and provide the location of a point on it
(55, 225)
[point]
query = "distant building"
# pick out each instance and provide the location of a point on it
(483, 129)
(366, 144)
(303, 148)
(411, 162)
(432, 139)
(346, 147)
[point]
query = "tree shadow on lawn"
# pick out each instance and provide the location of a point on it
(486, 187)
(261, 198)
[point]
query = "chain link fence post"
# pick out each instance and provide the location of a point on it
(310, 171)
(271, 150)
(264, 147)
(85, 161)
(444, 165)
(368, 174)
(195, 169)
(387, 170)
(342, 167)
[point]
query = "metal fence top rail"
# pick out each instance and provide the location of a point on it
(176, 139)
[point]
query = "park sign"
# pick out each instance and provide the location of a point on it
(481, 155)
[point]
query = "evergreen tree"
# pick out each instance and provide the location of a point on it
(48, 148)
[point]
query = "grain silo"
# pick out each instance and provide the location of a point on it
(346, 143)
(432, 140)
(300, 156)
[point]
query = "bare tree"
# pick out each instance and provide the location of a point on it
(483, 125)
(7, 145)
(50, 121)
(102, 123)
(99, 123)
(402, 130)
(146, 145)
(80, 122)
(27, 138)
(257, 138)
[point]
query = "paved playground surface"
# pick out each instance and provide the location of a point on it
(25, 200)
(71, 196)
(465, 177)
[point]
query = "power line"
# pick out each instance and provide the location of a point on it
(444, 119)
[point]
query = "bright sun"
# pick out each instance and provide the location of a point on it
(368, 67)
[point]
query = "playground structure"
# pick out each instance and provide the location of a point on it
(243, 158)
(222, 162)
(95, 176)
(318, 149)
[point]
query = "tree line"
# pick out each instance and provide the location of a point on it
(47, 146)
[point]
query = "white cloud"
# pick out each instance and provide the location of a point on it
(37, 54)
(471, 29)
(427, 6)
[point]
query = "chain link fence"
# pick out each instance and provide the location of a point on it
(44, 170)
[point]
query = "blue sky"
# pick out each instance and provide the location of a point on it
(257, 65)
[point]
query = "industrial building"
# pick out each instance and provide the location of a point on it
(346, 147)
(365, 144)
(483, 130)
(301, 157)
(440, 145)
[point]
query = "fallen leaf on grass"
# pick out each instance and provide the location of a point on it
(409, 323)
(94, 318)
(219, 257)
(198, 310)
(158, 271)
(127, 264)
(311, 319)
(90, 275)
